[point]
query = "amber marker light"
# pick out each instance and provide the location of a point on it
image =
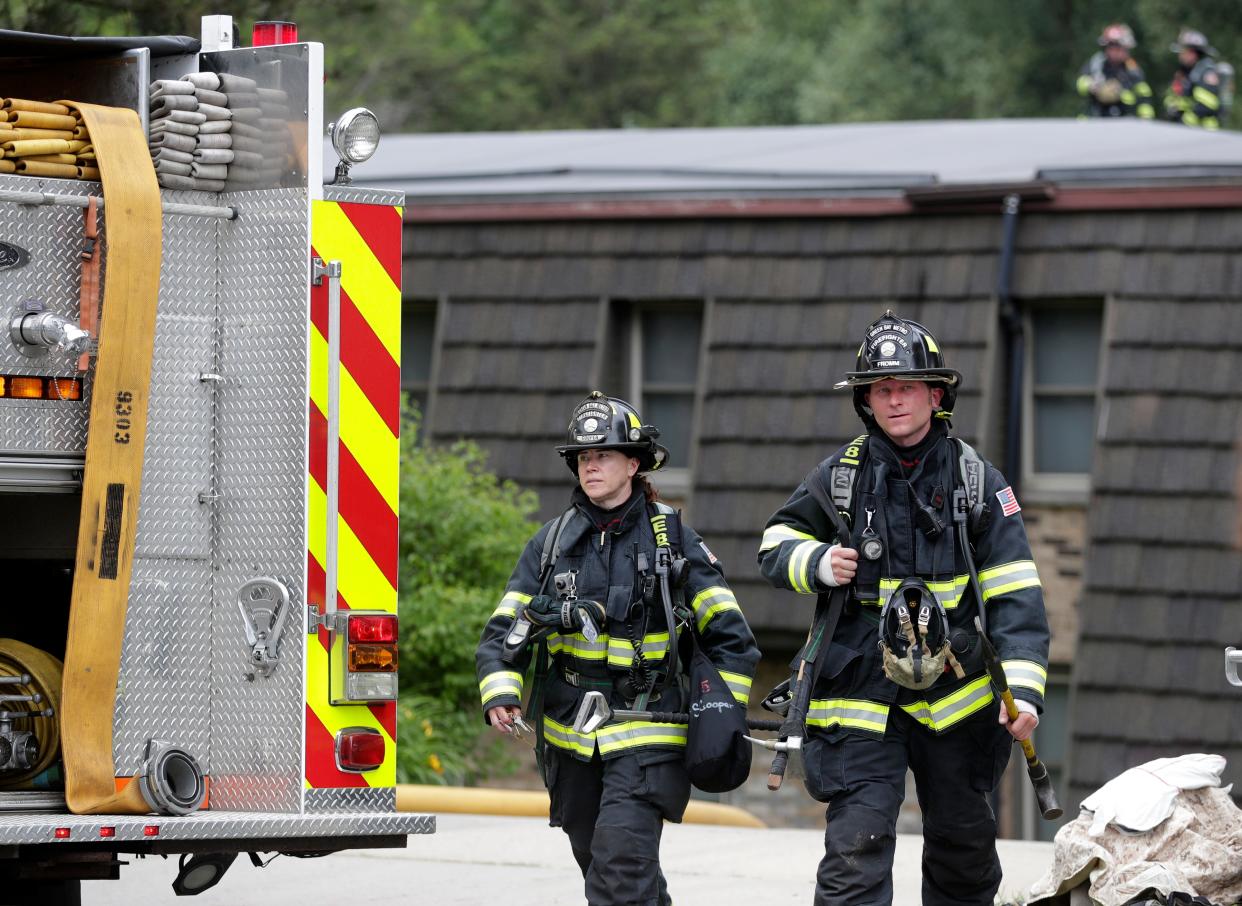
(64, 388)
(26, 388)
(373, 658)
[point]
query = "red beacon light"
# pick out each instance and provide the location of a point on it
(267, 33)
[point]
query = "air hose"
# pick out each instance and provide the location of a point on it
(18, 658)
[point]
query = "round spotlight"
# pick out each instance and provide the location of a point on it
(200, 871)
(356, 135)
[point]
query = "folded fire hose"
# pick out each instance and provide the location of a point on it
(34, 675)
(113, 470)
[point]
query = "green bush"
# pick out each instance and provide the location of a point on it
(462, 529)
(438, 742)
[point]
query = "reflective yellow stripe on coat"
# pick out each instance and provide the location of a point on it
(954, 708)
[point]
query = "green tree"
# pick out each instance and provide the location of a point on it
(454, 65)
(759, 70)
(462, 530)
(491, 65)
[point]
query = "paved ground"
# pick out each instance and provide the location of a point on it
(479, 859)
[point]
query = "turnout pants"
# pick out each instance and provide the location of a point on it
(863, 780)
(613, 813)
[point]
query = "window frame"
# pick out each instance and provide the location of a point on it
(675, 482)
(1057, 487)
(421, 387)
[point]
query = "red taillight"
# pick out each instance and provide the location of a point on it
(107, 832)
(62, 833)
(359, 749)
(364, 651)
(151, 830)
(265, 34)
(376, 629)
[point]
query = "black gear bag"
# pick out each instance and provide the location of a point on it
(717, 753)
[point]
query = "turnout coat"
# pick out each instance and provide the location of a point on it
(605, 562)
(853, 695)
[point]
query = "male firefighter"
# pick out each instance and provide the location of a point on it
(1195, 94)
(1111, 81)
(593, 577)
(903, 684)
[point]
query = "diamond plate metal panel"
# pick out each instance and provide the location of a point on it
(165, 683)
(363, 195)
(210, 825)
(164, 686)
(172, 522)
(233, 301)
(261, 480)
(52, 234)
(358, 799)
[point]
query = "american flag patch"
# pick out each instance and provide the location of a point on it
(1009, 503)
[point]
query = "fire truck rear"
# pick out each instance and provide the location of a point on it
(199, 414)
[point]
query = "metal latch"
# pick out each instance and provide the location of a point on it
(264, 605)
(1233, 660)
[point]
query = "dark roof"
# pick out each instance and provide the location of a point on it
(871, 159)
(26, 44)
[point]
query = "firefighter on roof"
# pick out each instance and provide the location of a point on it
(1112, 82)
(587, 582)
(1195, 96)
(902, 683)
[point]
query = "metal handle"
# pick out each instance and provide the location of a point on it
(1233, 658)
(331, 270)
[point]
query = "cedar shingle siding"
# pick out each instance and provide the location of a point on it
(785, 304)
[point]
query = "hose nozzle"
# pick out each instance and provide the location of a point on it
(35, 331)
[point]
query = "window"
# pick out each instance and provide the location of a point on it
(1062, 373)
(418, 327)
(661, 367)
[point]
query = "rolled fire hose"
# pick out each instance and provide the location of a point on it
(18, 658)
(113, 470)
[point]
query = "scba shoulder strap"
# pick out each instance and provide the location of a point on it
(843, 471)
(844, 466)
(666, 523)
(547, 560)
(551, 545)
(671, 573)
(973, 474)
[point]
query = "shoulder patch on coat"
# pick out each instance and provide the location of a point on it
(711, 558)
(1008, 502)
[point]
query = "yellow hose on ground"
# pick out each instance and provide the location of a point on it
(17, 658)
(412, 797)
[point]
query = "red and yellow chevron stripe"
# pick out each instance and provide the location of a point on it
(366, 239)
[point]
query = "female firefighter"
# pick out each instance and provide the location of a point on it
(586, 603)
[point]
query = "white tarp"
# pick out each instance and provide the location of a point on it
(1165, 824)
